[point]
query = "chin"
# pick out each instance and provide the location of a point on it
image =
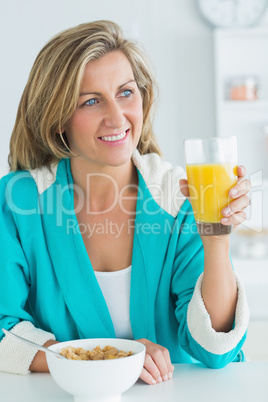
(119, 162)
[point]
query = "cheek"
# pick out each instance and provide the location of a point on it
(78, 125)
(137, 112)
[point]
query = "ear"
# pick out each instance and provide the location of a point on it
(61, 131)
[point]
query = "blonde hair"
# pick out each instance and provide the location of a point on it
(51, 93)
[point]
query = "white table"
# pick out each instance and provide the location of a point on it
(238, 382)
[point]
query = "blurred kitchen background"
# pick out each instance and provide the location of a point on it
(212, 81)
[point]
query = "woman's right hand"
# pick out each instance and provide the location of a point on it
(157, 365)
(39, 362)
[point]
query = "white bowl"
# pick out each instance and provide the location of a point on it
(97, 380)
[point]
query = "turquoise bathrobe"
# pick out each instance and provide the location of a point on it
(46, 277)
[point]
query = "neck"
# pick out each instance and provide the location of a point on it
(102, 186)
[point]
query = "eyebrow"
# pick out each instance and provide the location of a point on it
(99, 94)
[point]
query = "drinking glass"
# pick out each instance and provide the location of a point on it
(211, 171)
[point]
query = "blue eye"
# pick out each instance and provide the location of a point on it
(127, 92)
(91, 102)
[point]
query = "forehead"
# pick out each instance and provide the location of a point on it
(113, 68)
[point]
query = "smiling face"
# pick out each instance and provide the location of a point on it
(106, 126)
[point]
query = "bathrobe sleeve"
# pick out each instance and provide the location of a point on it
(15, 282)
(196, 335)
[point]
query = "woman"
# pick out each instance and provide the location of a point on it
(97, 238)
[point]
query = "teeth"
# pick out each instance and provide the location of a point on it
(115, 137)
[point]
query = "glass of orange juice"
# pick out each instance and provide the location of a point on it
(211, 166)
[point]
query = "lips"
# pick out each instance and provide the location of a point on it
(114, 137)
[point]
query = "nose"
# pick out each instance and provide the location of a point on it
(114, 117)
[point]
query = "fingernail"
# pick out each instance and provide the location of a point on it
(226, 211)
(170, 375)
(153, 381)
(233, 192)
(165, 378)
(224, 220)
(159, 379)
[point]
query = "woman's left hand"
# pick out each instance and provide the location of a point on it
(234, 213)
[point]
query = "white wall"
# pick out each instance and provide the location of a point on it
(178, 42)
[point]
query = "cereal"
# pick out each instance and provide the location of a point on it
(107, 353)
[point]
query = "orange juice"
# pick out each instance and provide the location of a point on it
(209, 185)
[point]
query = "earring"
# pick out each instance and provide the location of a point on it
(65, 144)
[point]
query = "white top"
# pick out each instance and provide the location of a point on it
(115, 287)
